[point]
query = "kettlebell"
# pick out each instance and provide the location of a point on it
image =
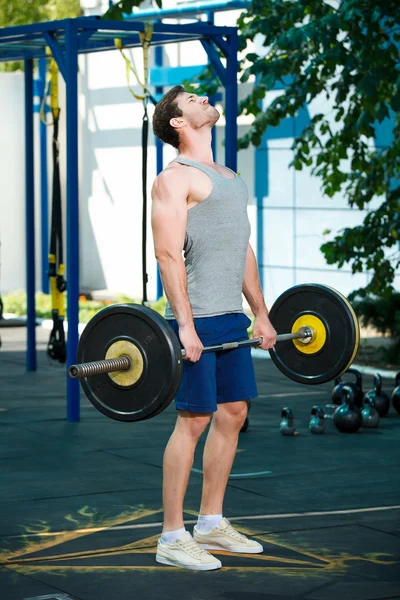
(287, 426)
(370, 416)
(380, 399)
(317, 424)
(337, 393)
(396, 393)
(347, 417)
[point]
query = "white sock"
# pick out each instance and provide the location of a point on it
(206, 523)
(169, 537)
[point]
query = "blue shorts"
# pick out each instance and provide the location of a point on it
(218, 376)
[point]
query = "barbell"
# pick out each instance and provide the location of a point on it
(129, 359)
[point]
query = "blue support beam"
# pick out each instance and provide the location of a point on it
(30, 218)
(231, 104)
(192, 8)
(84, 37)
(158, 60)
(213, 99)
(73, 403)
(261, 188)
(222, 45)
(215, 61)
(44, 191)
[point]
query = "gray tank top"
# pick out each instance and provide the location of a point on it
(216, 242)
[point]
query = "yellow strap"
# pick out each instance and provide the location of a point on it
(146, 41)
(61, 298)
(52, 86)
(54, 105)
(57, 297)
(129, 67)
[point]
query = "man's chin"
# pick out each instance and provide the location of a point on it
(214, 115)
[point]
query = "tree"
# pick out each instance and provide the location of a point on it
(21, 12)
(117, 10)
(349, 51)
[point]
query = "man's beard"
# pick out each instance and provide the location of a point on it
(211, 116)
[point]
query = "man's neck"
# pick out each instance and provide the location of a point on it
(198, 148)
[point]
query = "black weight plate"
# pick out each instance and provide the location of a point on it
(162, 362)
(342, 332)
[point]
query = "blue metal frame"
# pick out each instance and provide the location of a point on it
(44, 187)
(30, 218)
(67, 39)
(188, 10)
(71, 57)
(158, 61)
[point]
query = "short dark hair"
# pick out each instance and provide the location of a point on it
(166, 110)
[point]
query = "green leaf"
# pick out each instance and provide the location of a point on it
(115, 13)
(127, 6)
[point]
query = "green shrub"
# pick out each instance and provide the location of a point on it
(15, 302)
(383, 314)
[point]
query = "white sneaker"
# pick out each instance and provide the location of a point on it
(225, 537)
(187, 554)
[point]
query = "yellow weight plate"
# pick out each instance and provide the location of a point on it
(319, 336)
(124, 347)
(356, 327)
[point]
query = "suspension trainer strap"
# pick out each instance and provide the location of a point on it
(145, 38)
(56, 346)
(145, 137)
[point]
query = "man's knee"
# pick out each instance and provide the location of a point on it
(192, 424)
(232, 413)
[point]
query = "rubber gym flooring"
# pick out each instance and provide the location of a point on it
(80, 503)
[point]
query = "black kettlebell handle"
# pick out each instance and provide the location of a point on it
(339, 380)
(369, 401)
(286, 413)
(378, 384)
(358, 376)
(349, 395)
(317, 411)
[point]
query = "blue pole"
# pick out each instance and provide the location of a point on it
(192, 8)
(44, 193)
(210, 20)
(231, 104)
(71, 55)
(30, 218)
(158, 59)
(260, 236)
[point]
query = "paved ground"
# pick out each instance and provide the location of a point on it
(80, 504)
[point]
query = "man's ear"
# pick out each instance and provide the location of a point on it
(177, 122)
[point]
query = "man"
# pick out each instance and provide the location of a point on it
(199, 209)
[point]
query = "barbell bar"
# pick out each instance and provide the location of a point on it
(124, 362)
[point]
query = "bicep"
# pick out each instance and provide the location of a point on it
(169, 215)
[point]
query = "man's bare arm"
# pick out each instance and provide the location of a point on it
(168, 220)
